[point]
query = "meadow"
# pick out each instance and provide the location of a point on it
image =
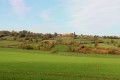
(4, 43)
(18, 64)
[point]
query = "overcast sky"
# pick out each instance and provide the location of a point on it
(94, 17)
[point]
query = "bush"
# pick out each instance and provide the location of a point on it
(7, 46)
(69, 48)
(96, 45)
(53, 50)
(43, 49)
(1, 39)
(118, 45)
(112, 51)
(28, 47)
(51, 46)
(25, 46)
(38, 47)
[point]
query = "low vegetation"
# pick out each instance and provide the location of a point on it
(60, 42)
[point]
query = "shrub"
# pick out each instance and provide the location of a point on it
(1, 39)
(25, 46)
(112, 51)
(118, 45)
(96, 45)
(69, 48)
(7, 46)
(43, 49)
(38, 47)
(51, 46)
(53, 50)
(28, 47)
(112, 41)
(59, 41)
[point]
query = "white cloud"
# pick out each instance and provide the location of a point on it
(19, 7)
(93, 15)
(45, 15)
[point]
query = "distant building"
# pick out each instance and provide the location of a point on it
(59, 34)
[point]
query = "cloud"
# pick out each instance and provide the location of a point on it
(19, 7)
(45, 15)
(92, 15)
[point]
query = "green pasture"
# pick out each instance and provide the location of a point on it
(103, 45)
(61, 47)
(4, 43)
(16, 64)
(8, 38)
(107, 45)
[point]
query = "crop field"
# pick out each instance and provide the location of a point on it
(59, 40)
(16, 64)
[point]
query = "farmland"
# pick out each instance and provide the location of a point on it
(16, 64)
(59, 40)
(33, 56)
(3, 43)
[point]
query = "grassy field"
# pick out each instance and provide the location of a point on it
(101, 45)
(18, 64)
(8, 38)
(3, 43)
(61, 47)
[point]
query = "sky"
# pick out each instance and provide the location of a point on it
(89, 17)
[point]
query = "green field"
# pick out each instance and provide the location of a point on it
(18, 64)
(61, 47)
(101, 45)
(8, 38)
(4, 43)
